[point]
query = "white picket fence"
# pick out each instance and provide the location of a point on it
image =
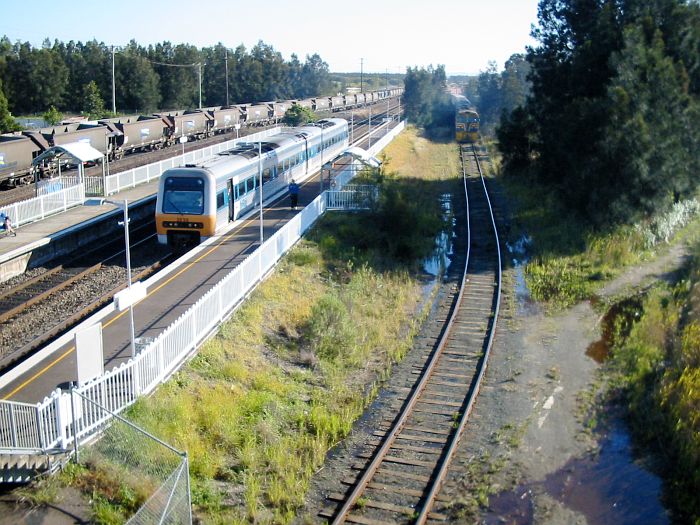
(51, 424)
(62, 193)
(38, 208)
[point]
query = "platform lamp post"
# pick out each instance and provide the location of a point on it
(321, 171)
(362, 60)
(133, 297)
(260, 190)
(369, 135)
(352, 126)
(114, 90)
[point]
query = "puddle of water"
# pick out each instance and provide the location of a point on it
(519, 257)
(441, 259)
(624, 314)
(608, 489)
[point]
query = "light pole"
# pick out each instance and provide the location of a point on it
(387, 93)
(199, 70)
(369, 136)
(321, 171)
(352, 127)
(114, 91)
(262, 235)
(361, 66)
(226, 62)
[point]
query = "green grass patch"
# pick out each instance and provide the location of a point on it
(655, 370)
(569, 260)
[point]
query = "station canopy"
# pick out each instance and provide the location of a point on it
(362, 156)
(80, 151)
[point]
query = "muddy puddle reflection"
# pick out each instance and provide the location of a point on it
(617, 320)
(439, 262)
(608, 488)
(518, 252)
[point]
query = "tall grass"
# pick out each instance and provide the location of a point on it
(655, 367)
(569, 260)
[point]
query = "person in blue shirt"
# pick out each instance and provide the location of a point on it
(6, 225)
(293, 194)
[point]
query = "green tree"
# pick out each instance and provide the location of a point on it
(298, 115)
(651, 139)
(138, 85)
(52, 116)
(92, 104)
(425, 97)
(315, 78)
(7, 122)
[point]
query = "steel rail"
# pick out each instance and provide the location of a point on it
(41, 296)
(442, 472)
(407, 410)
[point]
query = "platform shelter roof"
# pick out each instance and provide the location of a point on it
(80, 151)
(363, 156)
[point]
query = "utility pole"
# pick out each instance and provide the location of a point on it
(114, 91)
(226, 62)
(386, 74)
(199, 66)
(361, 66)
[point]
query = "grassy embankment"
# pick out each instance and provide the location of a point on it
(283, 381)
(654, 368)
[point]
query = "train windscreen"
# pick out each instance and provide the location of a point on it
(183, 195)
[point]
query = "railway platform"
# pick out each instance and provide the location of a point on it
(41, 241)
(183, 282)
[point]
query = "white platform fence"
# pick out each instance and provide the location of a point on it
(53, 425)
(62, 193)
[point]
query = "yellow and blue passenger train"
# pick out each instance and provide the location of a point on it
(197, 201)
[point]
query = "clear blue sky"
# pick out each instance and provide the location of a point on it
(389, 34)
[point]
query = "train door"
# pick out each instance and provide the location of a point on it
(231, 200)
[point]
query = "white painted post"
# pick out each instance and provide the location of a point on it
(136, 374)
(61, 419)
(161, 359)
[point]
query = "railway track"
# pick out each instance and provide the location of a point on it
(38, 309)
(402, 478)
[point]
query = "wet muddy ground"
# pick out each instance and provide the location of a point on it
(534, 452)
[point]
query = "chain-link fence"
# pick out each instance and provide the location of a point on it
(150, 476)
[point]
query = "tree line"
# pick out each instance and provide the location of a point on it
(160, 76)
(426, 101)
(613, 119)
(494, 92)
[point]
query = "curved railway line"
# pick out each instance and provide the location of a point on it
(402, 479)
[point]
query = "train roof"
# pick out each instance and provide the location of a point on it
(243, 152)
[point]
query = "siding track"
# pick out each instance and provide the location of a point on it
(402, 479)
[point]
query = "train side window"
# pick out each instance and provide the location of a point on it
(267, 175)
(250, 184)
(241, 189)
(220, 200)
